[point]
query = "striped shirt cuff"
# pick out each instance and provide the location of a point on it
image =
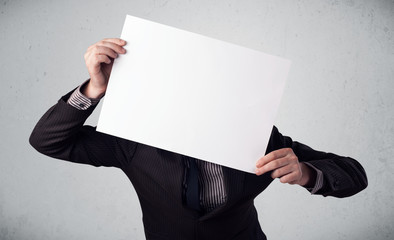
(80, 101)
(319, 179)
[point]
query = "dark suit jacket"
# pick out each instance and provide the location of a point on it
(157, 176)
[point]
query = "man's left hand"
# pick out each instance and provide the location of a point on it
(284, 164)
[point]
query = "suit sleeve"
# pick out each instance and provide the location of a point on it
(343, 176)
(60, 134)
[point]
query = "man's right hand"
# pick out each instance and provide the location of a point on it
(99, 59)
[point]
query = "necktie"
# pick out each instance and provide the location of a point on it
(192, 190)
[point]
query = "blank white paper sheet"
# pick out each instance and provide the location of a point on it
(194, 95)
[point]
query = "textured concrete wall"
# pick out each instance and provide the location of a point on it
(339, 98)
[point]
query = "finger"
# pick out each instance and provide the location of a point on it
(272, 165)
(101, 50)
(112, 45)
(291, 177)
(282, 171)
(272, 156)
(293, 182)
(95, 63)
(103, 59)
(116, 41)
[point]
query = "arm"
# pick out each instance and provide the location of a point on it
(60, 132)
(343, 176)
(297, 163)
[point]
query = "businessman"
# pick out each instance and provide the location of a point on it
(182, 197)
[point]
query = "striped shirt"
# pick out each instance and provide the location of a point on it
(212, 188)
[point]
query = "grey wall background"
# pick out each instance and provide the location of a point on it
(339, 98)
